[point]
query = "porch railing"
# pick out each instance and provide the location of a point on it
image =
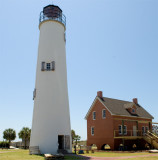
(128, 133)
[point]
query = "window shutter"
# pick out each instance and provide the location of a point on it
(34, 93)
(67, 142)
(43, 66)
(53, 65)
(65, 36)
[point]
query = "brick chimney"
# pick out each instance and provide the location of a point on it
(100, 94)
(135, 100)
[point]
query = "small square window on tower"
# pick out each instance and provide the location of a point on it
(48, 66)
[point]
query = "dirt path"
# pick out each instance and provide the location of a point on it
(112, 158)
(124, 157)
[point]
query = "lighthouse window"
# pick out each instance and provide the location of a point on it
(48, 66)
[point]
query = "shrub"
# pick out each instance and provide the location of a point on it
(4, 144)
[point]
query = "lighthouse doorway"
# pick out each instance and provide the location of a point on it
(61, 141)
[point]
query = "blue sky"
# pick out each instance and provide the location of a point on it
(111, 46)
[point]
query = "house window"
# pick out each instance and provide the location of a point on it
(48, 66)
(120, 129)
(143, 130)
(125, 130)
(103, 113)
(146, 129)
(92, 131)
(133, 110)
(94, 115)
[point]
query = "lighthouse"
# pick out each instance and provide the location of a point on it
(51, 131)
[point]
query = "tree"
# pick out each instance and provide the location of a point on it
(25, 134)
(9, 135)
(73, 134)
(77, 138)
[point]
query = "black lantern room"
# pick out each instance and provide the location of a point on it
(52, 12)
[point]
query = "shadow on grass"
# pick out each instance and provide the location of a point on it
(69, 156)
(74, 157)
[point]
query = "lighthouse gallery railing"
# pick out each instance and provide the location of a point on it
(57, 16)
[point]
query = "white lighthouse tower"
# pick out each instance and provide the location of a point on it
(51, 130)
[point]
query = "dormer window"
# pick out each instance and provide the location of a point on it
(133, 110)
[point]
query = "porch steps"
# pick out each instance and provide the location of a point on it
(151, 139)
(63, 151)
(34, 150)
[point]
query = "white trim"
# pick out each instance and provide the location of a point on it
(90, 108)
(131, 116)
(105, 106)
(154, 122)
(97, 98)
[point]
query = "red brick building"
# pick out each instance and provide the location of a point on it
(115, 122)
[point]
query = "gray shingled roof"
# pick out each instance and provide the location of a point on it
(117, 107)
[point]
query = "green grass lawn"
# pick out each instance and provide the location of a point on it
(24, 155)
(18, 155)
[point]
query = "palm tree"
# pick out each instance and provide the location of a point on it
(77, 138)
(9, 135)
(24, 134)
(73, 134)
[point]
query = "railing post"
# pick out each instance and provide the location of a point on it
(123, 127)
(137, 126)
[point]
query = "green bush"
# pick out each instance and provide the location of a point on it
(4, 144)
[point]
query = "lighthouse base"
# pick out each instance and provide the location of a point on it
(63, 146)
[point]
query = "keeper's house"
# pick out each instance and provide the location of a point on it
(114, 122)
